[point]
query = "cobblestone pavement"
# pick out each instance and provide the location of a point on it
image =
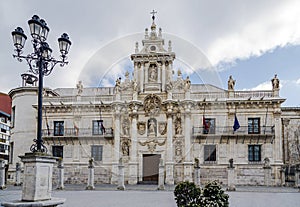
(148, 196)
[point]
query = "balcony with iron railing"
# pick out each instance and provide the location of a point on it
(77, 132)
(200, 131)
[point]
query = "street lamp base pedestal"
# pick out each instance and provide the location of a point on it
(50, 203)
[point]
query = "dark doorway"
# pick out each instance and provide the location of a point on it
(150, 168)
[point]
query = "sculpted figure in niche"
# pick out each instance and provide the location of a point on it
(178, 128)
(153, 73)
(125, 148)
(151, 127)
(275, 82)
(231, 83)
(125, 127)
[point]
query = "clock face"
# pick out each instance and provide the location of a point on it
(152, 48)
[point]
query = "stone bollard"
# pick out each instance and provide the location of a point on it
(282, 172)
(2, 174)
(267, 172)
(18, 174)
(231, 176)
(121, 185)
(161, 175)
(90, 185)
(297, 177)
(60, 182)
(197, 173)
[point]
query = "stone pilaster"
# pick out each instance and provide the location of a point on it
(115, 169)
(170, 161)
(91, 176)
(142, 71)
(278, 137)
(161, 175)
(2, 174)
(282, 172)
(61, 171)
(121, 185)
(133, 164)
(188, 164)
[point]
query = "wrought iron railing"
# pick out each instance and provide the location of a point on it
(243, 130)
(77, 132)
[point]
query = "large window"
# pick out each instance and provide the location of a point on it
(98, 128)
(209, 126)
(58, 151)
(97, 151)
(254, 153)
(210, 153)
(253, 125)
(58, 128)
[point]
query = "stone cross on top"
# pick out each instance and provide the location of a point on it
(153, 14)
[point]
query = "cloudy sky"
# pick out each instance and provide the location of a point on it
(251, 40)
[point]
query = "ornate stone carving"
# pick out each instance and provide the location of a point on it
(152, 104)
(187, 85)
(162, 128)
(152, 143)
(141, 128)
(178, 150)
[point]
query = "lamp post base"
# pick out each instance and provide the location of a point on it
(50, 203)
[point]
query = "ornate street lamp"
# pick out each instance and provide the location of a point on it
(40, 62)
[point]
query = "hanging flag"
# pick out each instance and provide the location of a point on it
(102, 127)
(205, 125)
(236, 124)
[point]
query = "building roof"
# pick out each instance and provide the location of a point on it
(5, 104)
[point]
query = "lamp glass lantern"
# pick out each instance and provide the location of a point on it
(19, 38)
(64, 44)
(35, 26)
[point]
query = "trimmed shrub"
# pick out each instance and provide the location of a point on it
(187, 194)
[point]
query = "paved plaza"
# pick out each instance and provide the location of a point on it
(147, 196)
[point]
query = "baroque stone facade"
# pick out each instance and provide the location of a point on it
(151, 117)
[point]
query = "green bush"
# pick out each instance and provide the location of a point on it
(187, 194)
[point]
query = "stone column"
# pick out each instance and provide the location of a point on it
(115, 169)
(91, 178)
(146, 72)
(187, 143)
(267, 175)
(170, 162)
(133, 164)
(197, 180)
(161, 175)
(278, 137)
(2, 174)
(61, 171)
(163, 77)
(18, 174)
(121, 185)
(231, 176)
